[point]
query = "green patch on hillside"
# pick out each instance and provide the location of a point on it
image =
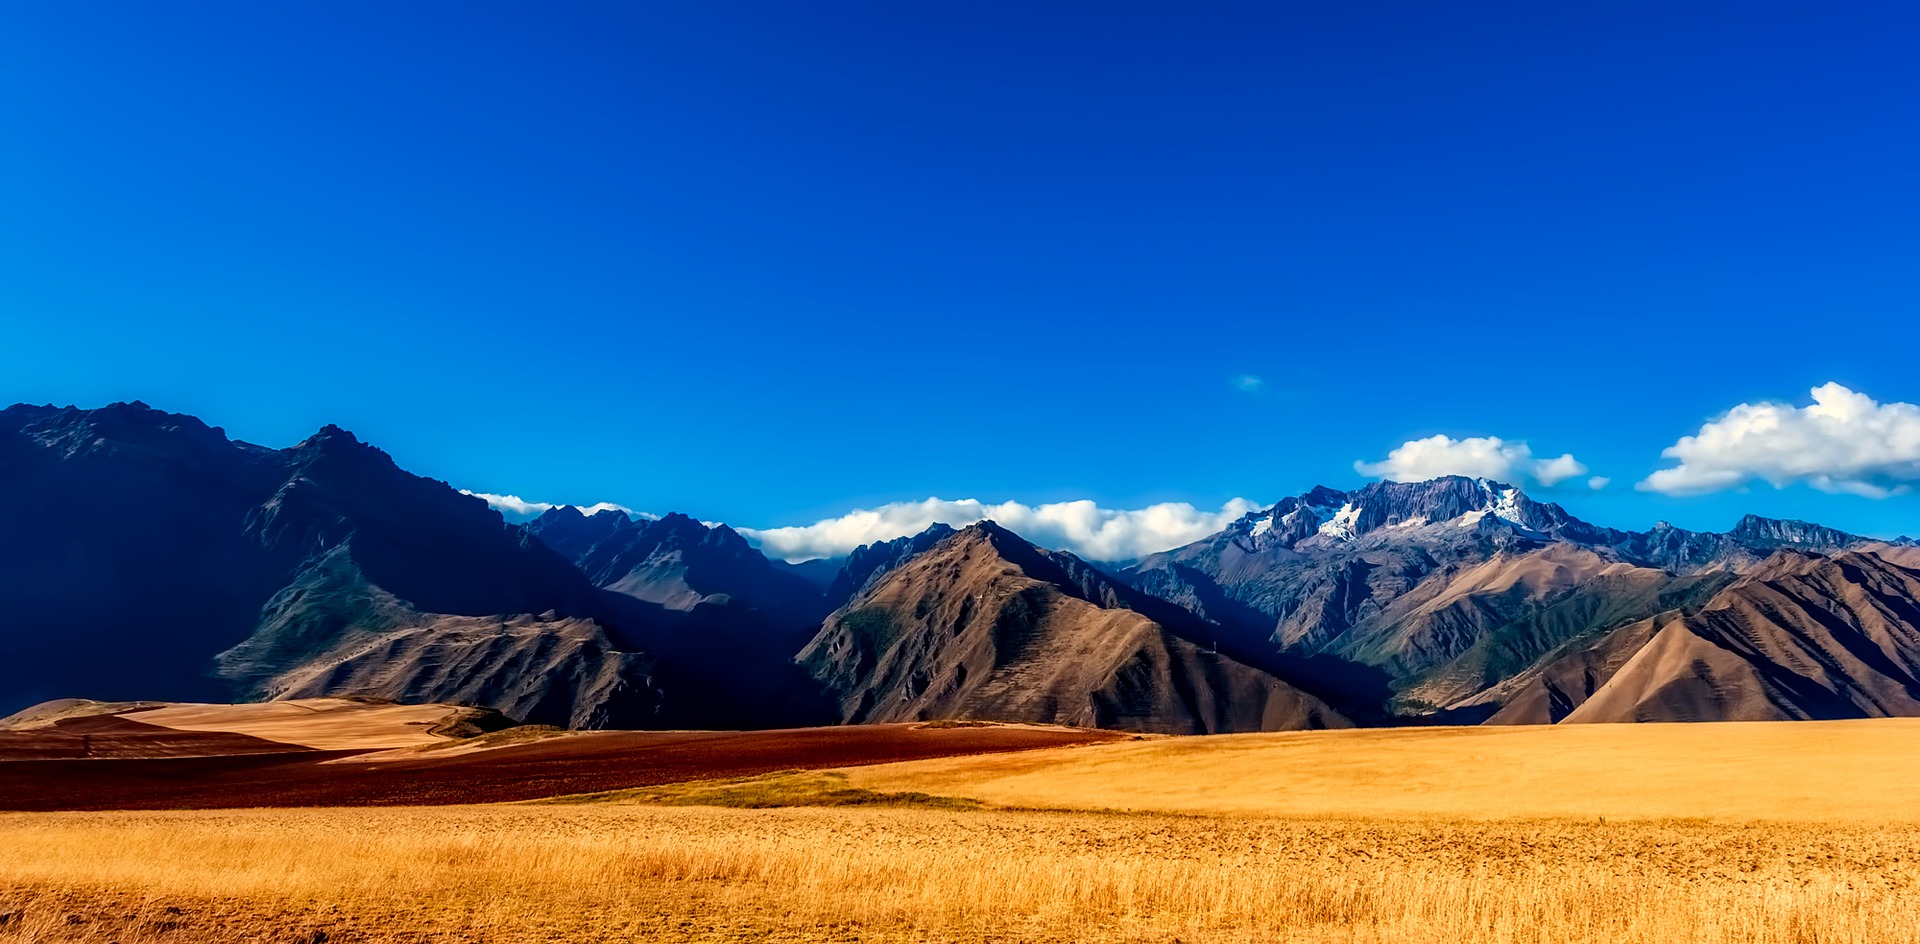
(1539, 632)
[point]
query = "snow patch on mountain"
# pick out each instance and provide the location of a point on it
(1504, 505)
(1341, 524)
(1507, 507)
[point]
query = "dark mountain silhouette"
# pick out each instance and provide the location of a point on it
(153, 556)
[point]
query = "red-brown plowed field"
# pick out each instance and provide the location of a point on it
(582, 763)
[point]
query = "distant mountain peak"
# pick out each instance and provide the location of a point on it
(989, 528)
(564, 515)
(335, 451)
(934, 533)
(331, 435)
(1322, 495)
(869, 561)
(1788, 531)
(1329, 516)
(677, 527)
(129, 428)
(557, 514)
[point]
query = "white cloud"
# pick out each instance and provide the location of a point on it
(1599, 482)
(1485, 457)
(1248, 383)
(1082, 527)
(515, 508)
(1844, 442)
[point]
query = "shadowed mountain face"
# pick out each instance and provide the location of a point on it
(123, 568)
(726, 620)
(678, 563)
(985, 625)
(869, 562)
(572, 533)
(154, 557)
(681, 564)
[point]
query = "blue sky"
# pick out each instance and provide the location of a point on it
(769, 263)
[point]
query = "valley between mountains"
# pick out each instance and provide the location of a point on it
(147, 556)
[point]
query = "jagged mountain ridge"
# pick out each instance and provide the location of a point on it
(869, 561)
(1448, 587)
(148, 555)
(1323, 517)
(677, 562)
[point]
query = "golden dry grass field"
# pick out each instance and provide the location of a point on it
(1449, 854)
(1854, 771)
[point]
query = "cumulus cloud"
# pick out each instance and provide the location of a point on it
(1599, 482)
(515, 508)
(1248, 383)
(1082, 527)
(1487, 457)
(1843, 442)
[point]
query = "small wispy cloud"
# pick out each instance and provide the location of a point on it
(1248, 383)
(514, 508)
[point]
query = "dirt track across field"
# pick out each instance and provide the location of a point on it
(574, 763)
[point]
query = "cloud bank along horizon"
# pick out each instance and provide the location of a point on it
(1082, 527)
(1843, 443)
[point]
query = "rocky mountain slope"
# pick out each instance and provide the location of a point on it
(985, 625)
(1449, 588)
(1803, 635)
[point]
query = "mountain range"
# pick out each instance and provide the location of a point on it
(146, 555)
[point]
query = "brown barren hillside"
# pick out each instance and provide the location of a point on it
(985, 625)
(1801, 636)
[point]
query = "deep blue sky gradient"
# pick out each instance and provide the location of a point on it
(768, 262)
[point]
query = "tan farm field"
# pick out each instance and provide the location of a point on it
(1710, 834)
(1865, 771)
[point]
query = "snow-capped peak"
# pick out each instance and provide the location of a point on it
(1503, 504)
(1340, 525)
